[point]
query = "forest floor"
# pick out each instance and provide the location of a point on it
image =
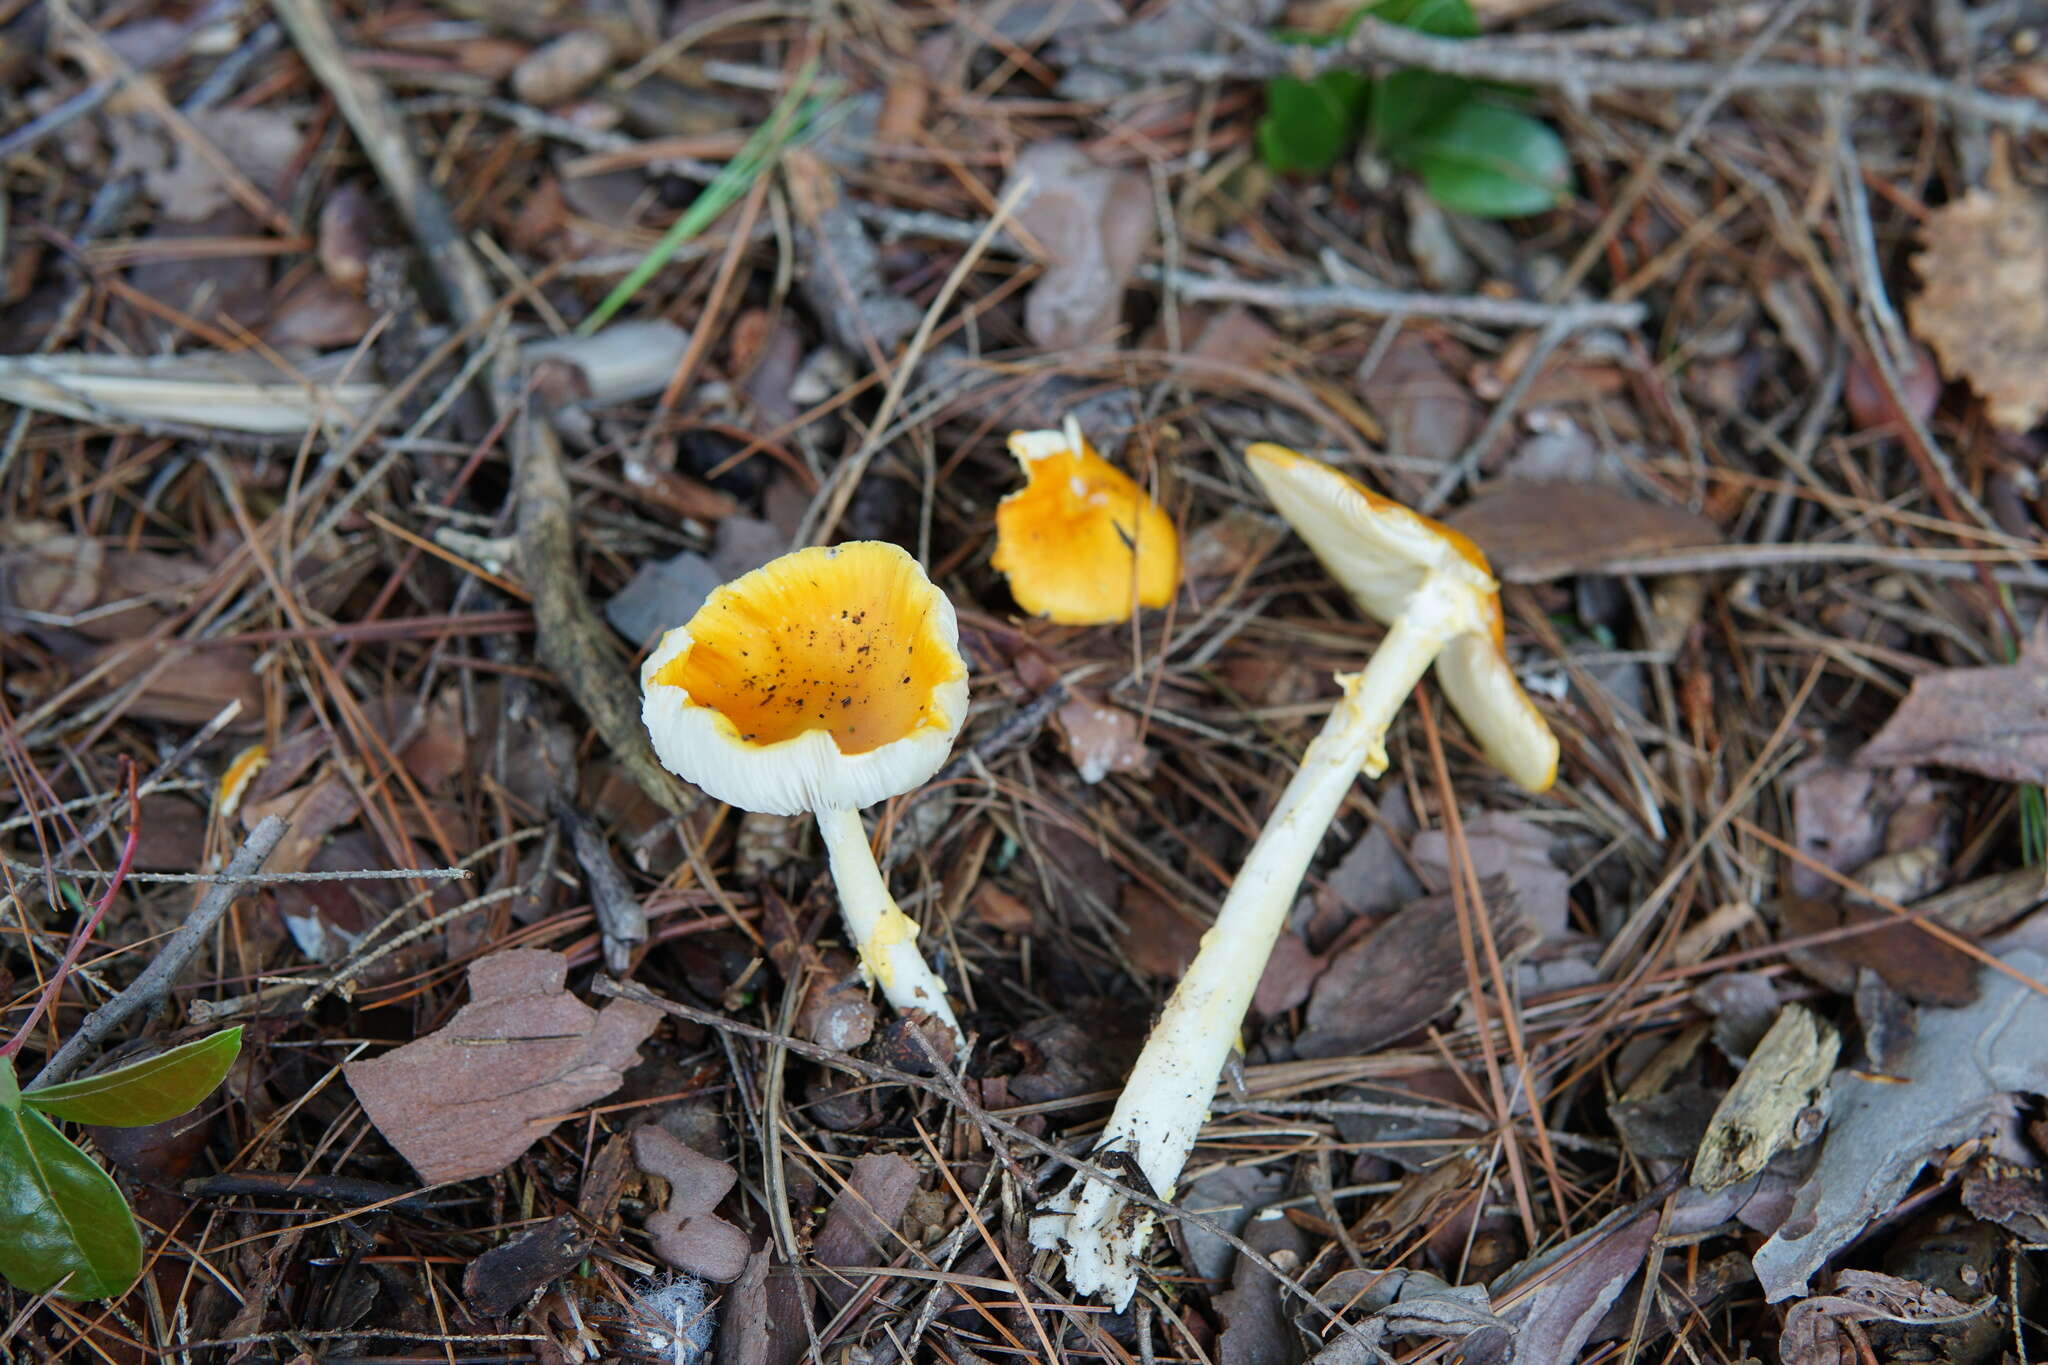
(503, 332)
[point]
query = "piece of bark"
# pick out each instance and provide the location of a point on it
(469, 1098)
(1764, 1110)
(512, 1272)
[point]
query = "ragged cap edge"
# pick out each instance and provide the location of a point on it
(1082, 576)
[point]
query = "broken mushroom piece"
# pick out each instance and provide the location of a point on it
(1080, 542)
(1433, 589)
(823, 681)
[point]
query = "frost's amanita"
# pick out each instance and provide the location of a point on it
(1433, 589)
(823, 681)
(1081, 543)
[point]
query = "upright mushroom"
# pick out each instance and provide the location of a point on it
(823, 681)
(1081, 543)
(1434, 591)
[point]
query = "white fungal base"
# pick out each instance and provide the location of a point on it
(1166, 1100)
(883, 936)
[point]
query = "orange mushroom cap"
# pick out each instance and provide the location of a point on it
(1081, 543)
(828, 678)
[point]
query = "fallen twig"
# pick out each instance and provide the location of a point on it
(156, 979)
(621, 918)
(381, 874)
(1196, 286)
(573, 642)
(1375, 40)
(1392, 303)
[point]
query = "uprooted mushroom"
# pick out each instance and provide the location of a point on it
(1434, 591)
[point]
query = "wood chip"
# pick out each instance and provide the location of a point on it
(1760, 1114)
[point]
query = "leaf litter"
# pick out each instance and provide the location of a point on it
(299, 439)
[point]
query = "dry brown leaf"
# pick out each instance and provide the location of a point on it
(345, 225)
(190, 690)
(1101, 739)
(1512, 848)
(1553, 1301)
(1992, 721)
(1159, 940)
(1224, 545)
(1814, 1328)
(1983, 301)
(1238, 337)
(259, 143)
(562, 68)
(1425, 409)
(687, 1233)
(467, 1099)
(1533, 532)
(318, 315)
(1095, 223)
(999, 909)
(1290, 974)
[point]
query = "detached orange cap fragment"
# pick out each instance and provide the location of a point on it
(1081, 543)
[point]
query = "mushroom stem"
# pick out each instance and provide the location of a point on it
(884, 937)
(1166, 1099)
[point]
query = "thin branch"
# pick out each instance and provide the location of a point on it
(156, 980)
(385, 874)
(1391, 303)
(1375, 41)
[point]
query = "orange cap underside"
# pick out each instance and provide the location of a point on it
(1461, 544)
(841, 644)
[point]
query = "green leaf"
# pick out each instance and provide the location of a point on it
(1438, 18)
(60, 1215)
(1308, 124)
(150, 1091)
(1406, 102)
(1489, 161)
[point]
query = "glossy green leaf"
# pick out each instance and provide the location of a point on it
(1308, 124)
(150, 1091)
(60, 1214)
(1438, 18)
(1489, 161)
(1406, 101)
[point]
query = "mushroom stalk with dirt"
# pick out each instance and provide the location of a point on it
(824, 681)
(1433, 589)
